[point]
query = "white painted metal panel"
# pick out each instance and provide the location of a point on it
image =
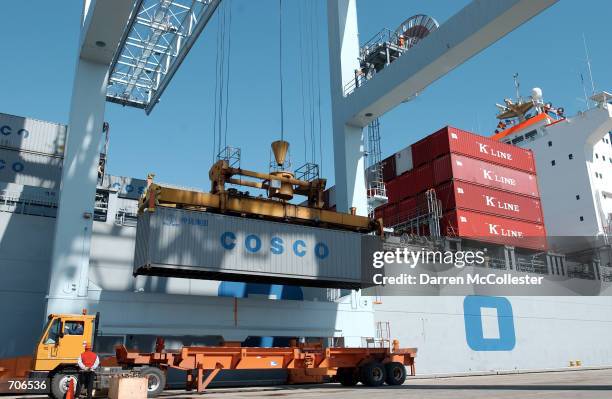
(30, 169)
(403, 160)
(33, 135)
(174, 242)
(126, 187)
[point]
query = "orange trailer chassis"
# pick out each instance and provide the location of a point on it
(305, 363)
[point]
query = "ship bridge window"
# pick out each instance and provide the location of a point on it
(518, 139)
(597, 155)
(571, 156)
(530, 134)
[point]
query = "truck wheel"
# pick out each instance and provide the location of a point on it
(157, 380)
(396, 373)
(59, 384)
(373, 374)
(348, 376)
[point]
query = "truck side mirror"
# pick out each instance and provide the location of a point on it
(61, 334)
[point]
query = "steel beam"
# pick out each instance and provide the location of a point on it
(471, 30)
(158, 36)
(475, 27)
(101, 27)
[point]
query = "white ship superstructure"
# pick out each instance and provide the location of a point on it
(574, 164)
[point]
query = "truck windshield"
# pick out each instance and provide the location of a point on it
(54, 332)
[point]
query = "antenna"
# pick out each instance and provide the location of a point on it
(588, 61)
(517, 85)
(586, 97)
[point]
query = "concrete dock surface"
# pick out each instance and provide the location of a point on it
(575, 384)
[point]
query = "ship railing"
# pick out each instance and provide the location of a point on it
(531, 265)
(583, 271)
(358, 81)
(374, 342)
(16, 203)
(101, 207)
(386, 42)
(496, 263)
(126, 217)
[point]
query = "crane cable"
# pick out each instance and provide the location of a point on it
(280, 66)
(301, 63)
(215, 148)
(229, 51)
(318, 63)
(222, 77)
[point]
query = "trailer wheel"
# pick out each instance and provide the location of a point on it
(373, 374)
(348, 376)
(59, 384)
(156, 378)
(396, 373)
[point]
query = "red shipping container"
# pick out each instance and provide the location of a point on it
(389, 215)
(494, 229)
(458, 194)
(411, 183)
(406, 209)
(459, 167)
(423, 152)
(393, 190)
(388, 168)
(475, 146)
(457, 141)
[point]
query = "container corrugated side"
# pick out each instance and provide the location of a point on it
(465, 143)
(389, 168)
(458, 194)
(452, 140)
(403, 160)
(487, 174)
(32, 135)
(494, 229)
(30, 169)
(181, 243)
(411, 183)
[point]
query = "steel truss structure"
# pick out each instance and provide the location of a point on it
(157, 38)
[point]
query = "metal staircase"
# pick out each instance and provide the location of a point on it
(377, 193)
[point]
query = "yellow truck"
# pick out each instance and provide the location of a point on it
(54, 361)
(64, 337)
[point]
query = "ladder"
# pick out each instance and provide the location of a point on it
(377, 193)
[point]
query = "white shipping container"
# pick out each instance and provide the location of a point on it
(30, 169)
(403, 161)
(126, 187)
(179, 243)
(32, 135)
(14, 190)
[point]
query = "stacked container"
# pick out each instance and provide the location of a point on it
(31, 151)
(487, 189)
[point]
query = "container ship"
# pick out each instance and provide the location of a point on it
(486, 190)
(503, 193)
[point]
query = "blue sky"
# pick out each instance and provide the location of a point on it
(38, 49)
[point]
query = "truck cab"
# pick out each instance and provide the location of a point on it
(63, 340)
